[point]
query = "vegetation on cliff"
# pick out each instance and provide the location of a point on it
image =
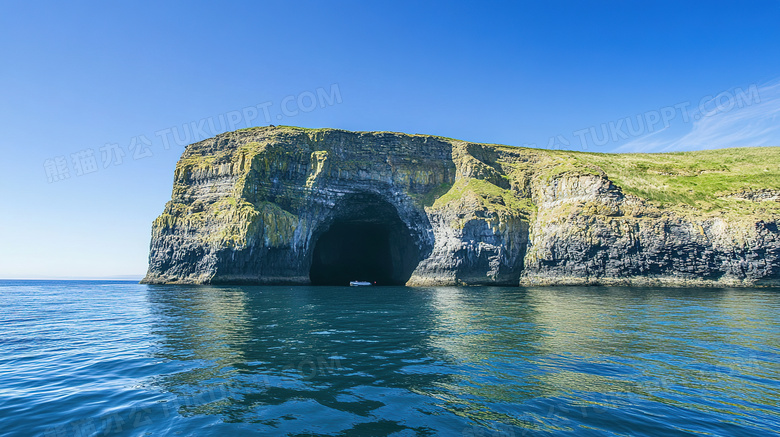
(736, 182)
(721, 180)
(488, 212)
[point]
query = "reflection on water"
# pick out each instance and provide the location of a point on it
(462, 360)
(473, 361)
(293, 358)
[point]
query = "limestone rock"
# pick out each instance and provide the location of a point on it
(291, 205)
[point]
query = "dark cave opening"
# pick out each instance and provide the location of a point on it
(366, 242)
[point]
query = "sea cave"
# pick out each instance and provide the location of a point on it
(365, 240)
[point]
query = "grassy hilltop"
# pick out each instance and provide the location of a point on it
(707, 180)
(717, 181)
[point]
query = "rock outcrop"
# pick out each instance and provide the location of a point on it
(291, 205)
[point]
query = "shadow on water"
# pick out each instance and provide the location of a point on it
(339, 354)
(463, 361)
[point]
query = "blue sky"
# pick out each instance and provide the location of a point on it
(93, 92)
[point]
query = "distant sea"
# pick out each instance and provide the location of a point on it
(89, 358)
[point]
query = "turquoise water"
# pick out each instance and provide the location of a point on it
(118, 358)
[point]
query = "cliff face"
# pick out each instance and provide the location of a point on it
(291, 205)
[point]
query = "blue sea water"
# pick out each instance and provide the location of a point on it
(83, 358)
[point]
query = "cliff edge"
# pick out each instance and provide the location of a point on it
(325, 206)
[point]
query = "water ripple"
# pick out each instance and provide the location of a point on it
(116, 358)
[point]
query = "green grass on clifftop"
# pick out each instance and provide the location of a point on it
(489, 195)
(701, 179)
(710, 181)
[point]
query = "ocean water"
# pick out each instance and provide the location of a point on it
(117, 358)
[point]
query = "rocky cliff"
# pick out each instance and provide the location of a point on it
(324, 206)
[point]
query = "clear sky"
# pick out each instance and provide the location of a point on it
(97, 99)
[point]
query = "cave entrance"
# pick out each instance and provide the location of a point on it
(366, 241)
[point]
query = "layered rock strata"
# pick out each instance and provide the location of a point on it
(289, 205)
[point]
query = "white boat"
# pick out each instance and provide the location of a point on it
(359, 283)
